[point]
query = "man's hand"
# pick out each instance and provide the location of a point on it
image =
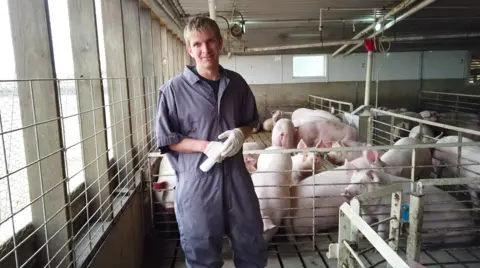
(214, 150)
(234, 142)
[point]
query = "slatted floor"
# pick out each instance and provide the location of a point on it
(263, 137)
(305, 253)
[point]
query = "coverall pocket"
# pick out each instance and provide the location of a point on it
(190, 128)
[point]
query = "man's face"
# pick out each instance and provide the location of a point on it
(205, 48)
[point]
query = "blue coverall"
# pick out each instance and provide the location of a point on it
(223, 200)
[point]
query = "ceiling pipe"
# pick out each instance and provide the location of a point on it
(360, 42)
(392, 12)
(211, 9)
(390, 24)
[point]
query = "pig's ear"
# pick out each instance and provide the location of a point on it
(301, 144)
(351, 168)
(327, 144)
(371, 156)
(160, 185)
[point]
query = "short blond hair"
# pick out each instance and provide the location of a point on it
(199, 24)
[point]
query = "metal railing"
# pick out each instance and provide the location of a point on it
(452, 103)
(312, 241)
(70, 161)
(330, 105)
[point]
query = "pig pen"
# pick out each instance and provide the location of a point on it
(458, 107)
(317, 230)
(457, 188)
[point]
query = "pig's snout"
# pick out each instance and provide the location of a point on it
(347, 194)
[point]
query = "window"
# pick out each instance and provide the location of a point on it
(475, 69)
(309, 66)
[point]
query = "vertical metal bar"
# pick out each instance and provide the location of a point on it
(392, 126)
(313, 202)
(9, 193)
(370, 129)
(37, 147)
(396, 211)
(459, 153)
(321, 104)
(356, 206)
(415, 226)
(412, 171)
(343, 234)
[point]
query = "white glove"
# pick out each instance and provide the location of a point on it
(214, 150)
(234, 142)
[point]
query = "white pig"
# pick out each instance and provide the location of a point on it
(283, 134)
(403, 157)
(271, 169)
(469, 162)
(327, 194)
(268, 125)
(338, 158)
(315, 131)
(426, 134)
(441, 210)
(251, 159)
(302, 163)
(304, 115)
(163, 188)
(403, 126)
(279, 114)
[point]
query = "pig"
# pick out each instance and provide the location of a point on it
(403, 126)
(403, 157)
(304, 115)
(469, 162)
(327, 193)
(426, 134)
(338, 158)
(302, 163)
(429, 115)
(315, 131)
(163, 187)
(251, 159)
(283, 134)
(279, 114)
(272, 167)
(439, 207)
(268, 125)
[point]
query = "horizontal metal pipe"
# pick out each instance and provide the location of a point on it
(390, 24)
(426, 122)
(449, 94)
(392, 12)
(360, 42)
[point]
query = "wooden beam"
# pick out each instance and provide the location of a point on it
(133, 62)
(86, 63)
(39, 102)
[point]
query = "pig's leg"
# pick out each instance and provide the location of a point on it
(289, 223)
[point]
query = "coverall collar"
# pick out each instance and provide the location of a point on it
(192, 78)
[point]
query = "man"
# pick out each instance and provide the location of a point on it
(197, 110)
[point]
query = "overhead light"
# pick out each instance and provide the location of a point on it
(378, 27)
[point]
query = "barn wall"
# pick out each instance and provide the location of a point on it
(401, 76)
